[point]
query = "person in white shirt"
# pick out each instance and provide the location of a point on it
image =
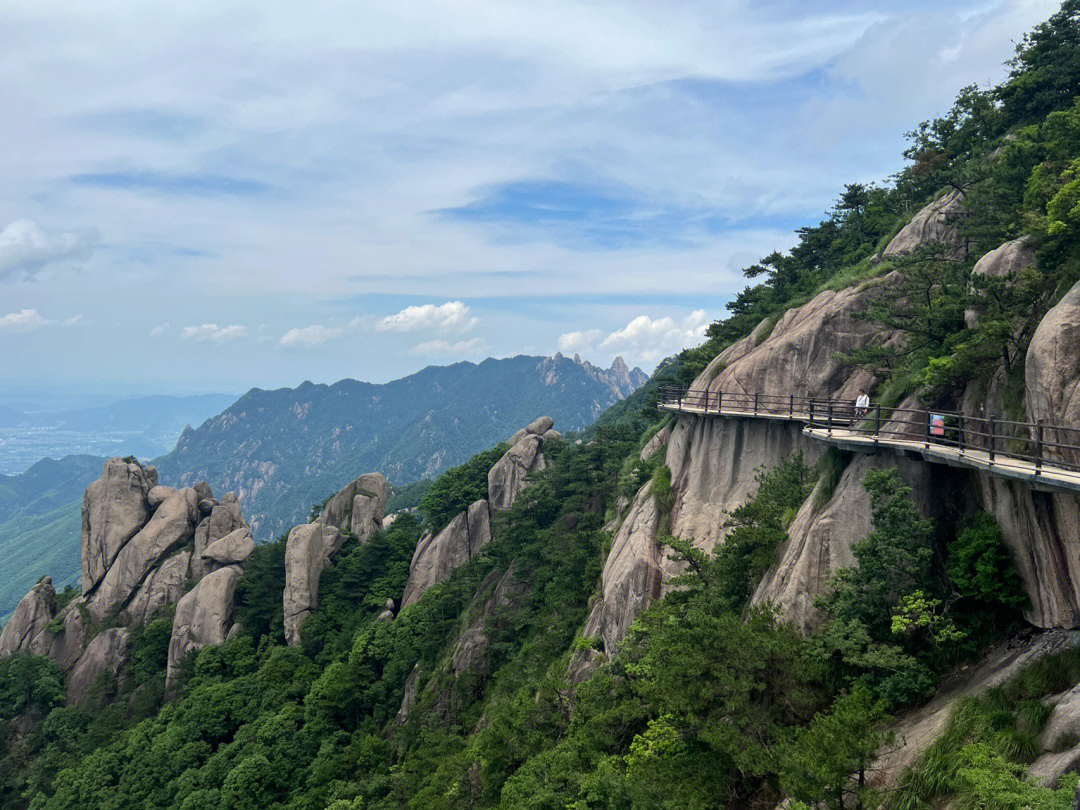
(862, 405)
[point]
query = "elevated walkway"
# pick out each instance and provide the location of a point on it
(1042, 456)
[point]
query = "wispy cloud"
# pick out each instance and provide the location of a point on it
(451, 316)
(310, 336)
(26, 320)
(212, 332)
(578, 341)
(25, 249)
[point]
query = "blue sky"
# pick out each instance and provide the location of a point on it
(229, 195)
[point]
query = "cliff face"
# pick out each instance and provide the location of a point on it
(713, 460)
(142, 543)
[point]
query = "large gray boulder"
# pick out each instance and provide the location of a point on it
(65, 645)
(437, 556)
(508, 477)
(232, 549)
(162, 586)
(933, 225)
(357, 509)
(114, 508)
(223, 519)
(104, 656)
(203, 617)
(306, 554)
(1007, 260)
(1052, 372)
(633, 573)
(170, 528)
(31, 617)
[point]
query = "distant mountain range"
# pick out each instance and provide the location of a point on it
(285, 449)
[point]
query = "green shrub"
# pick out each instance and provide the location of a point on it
(981, 567)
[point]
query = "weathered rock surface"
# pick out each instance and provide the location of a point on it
(1009, 259)
(31, 616)
(437, 556)
(305, 558)
(105, 654)
(507, 478)
(934, 224)
(356, 508)
(633, 573)
(659, 440)
(1052, 372)
(917, 729)
(157, 495)
(161, 587)
(232, 549)
(172, 525)
(471, 653)
(819, 541)
(203, 616)
(66, 645)
(114, 508)
(222, 520)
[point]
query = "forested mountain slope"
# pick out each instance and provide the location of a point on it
(283, 450)
(669, 612)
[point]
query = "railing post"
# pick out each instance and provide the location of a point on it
(680, 393)
(830, 417)
(755, 402)
(719, 401)
(791, 405)
(960, 434)
(811, 412)
(877, 421)
(1038, 445)
(928, 419)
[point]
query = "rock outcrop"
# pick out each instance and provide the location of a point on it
(31, 617)
(105, 655)
(1052, 371)
(507, 478)
(1009, 259)
(170, 528)
(355, 510)
(137, 559)
(203, 616)
(115, 507)
(472, 653)
(933, 225)
(658, 441)
(438, 556)
(633, 573)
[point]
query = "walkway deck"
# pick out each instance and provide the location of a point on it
(832, 424)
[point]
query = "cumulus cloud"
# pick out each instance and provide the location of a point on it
(445, 347)
(212, 332)
(25, 249)
(309, 336)
(451, 316)
(25, 320)
(578, 341)
(650, 339)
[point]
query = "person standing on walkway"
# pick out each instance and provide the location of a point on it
(862, 405)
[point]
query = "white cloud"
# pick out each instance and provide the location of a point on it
(649, 339)
(26, 249)
(473, 346)
(74, 320)
(212, 332)
(309, 336)
(578, 341)
(23, 321)
(160, 329)
(451, 316)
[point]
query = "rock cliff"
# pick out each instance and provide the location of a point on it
(356, 510)
(142, 544)
(438, 555)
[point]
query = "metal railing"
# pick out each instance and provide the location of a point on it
(1037, 443)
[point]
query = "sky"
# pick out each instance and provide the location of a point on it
(211, 196)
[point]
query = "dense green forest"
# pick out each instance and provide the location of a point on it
(710, 702)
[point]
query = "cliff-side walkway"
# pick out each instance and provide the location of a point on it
(1046, 457)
